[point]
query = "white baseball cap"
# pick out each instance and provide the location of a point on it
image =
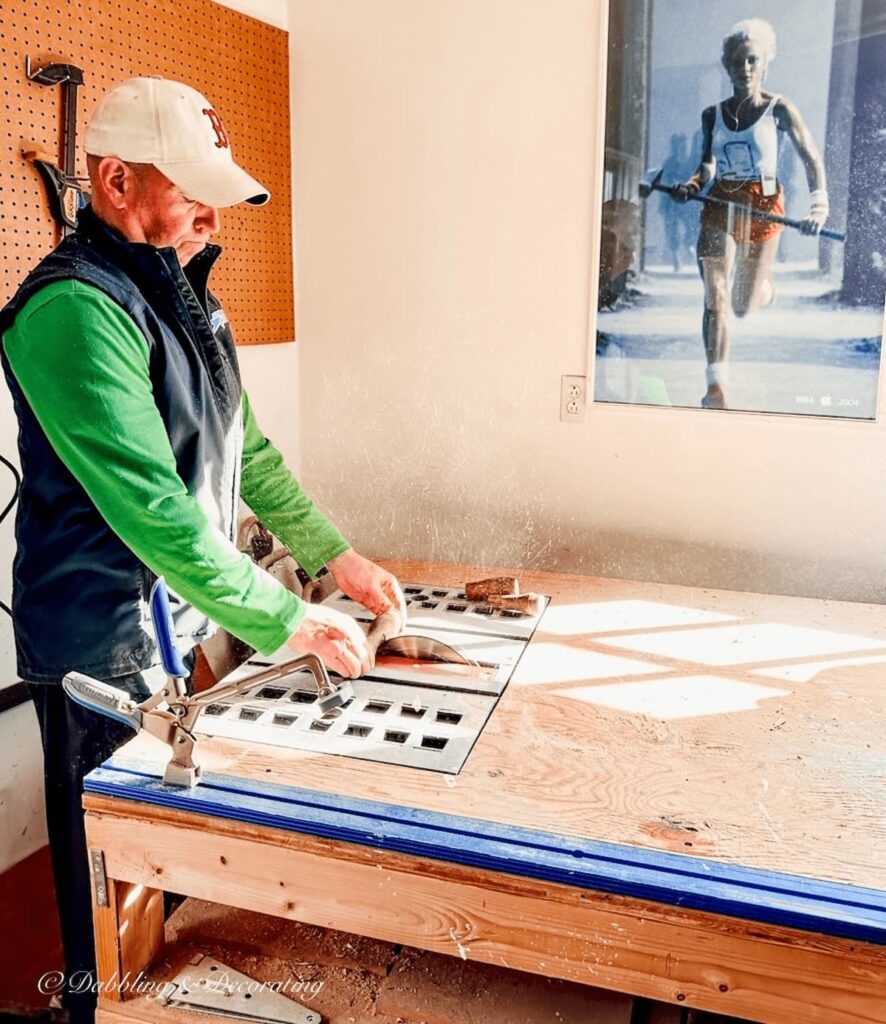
(172, 126)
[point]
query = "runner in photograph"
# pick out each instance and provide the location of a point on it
(740, 144)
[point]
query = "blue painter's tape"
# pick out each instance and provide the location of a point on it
(777, 898)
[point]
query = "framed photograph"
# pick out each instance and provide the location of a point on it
(743, 245)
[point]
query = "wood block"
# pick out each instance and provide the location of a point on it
(527, 604)
(446, 990)
(128, 932)
(480, 590)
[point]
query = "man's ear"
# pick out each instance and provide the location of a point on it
(116, 181)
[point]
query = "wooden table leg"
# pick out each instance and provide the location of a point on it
(128, 922)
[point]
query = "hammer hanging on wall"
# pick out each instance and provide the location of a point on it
(65, 195)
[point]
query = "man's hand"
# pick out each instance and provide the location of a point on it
(375, 588)
(336, 639)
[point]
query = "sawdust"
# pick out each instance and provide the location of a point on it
(448, 990)
(263, 935)
(352, 979)
(334, 973)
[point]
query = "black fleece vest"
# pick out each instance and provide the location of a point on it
(79, 596)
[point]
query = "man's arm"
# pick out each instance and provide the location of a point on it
(272, 492)
(276, 497)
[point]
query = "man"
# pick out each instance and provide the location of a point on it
(136, 442)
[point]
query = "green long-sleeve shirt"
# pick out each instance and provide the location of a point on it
(82, 364)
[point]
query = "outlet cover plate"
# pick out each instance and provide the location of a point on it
(573, 398)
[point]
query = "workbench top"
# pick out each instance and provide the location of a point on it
(737, 731)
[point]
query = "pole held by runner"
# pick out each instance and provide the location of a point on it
(651, 182)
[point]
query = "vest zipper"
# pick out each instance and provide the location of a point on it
(231, 380)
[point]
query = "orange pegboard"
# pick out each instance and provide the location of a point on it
(241, 64)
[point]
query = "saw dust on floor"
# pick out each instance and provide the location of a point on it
(351, 979)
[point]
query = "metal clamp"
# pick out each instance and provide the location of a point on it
(175, 726)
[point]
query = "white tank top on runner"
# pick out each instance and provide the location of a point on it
(749, 155)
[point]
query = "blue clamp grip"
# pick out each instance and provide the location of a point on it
(163, 628)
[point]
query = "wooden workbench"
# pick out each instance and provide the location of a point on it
(679, 795)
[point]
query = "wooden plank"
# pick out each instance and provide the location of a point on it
(142, 1009)
(141, 916)
(106, 1015)
(128, 931)
(702, 960)
(791, 900)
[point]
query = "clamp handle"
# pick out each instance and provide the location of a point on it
(161, 616)
(330, 695)
(106, 700)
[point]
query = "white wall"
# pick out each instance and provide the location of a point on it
(270, 376)
(274, 12)
(22, 825)
(270, 372)
(22, 822)
(445, 226)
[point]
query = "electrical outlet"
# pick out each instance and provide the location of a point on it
(573, 398)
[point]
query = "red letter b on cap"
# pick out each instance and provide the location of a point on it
(221, 134)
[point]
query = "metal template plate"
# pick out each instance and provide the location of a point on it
(396, 724)
(421, 715)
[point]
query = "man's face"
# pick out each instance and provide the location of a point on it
(160, 214)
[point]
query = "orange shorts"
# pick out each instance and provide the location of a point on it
(741, 223)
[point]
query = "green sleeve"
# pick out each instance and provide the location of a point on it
(83, 366)
(276, 497)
